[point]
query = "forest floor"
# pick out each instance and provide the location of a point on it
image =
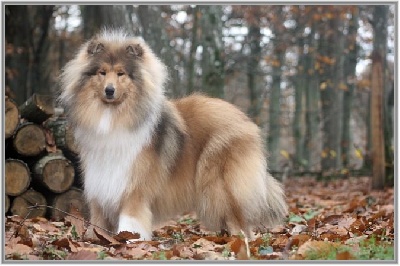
(334, 220)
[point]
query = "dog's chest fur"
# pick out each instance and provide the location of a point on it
(107, 162)
(107, 169)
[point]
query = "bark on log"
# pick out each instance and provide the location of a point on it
(29, 140)
(31, 197)
(11, 118)
(55, 172)
(72, 198)
(7, 204)
(18, 177)
(38, 108)
(63, 134)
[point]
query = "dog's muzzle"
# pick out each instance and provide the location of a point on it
(109, 92)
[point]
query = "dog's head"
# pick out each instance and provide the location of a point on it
(114, 71)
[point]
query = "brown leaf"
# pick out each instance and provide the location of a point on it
(182, 251)
(38, 219)
(61, 243)
(23, 232)
(346, 222)
(238, 246)
(82, 255)
(65, 243)
(298, 240)
(332, 219)
(278, 230)
(280, 242)
(378, 215)
(26, 241)
(341, 231)
(344, 256)
(136, 253)
(218, 240)
(105, 238)
(125, 235)
(18, 249)
(311, 224)
(48, 227)
(321, 247)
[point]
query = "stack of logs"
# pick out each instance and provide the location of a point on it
(41, 161)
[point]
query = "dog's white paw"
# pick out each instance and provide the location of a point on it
(131, 224)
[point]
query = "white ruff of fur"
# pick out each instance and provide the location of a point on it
(105, 122)
(108, 159)
(131, 224)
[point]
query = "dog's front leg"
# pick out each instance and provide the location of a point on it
(136, 217)
(97, 220)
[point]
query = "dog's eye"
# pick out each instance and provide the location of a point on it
(103, 73)
(120, 74)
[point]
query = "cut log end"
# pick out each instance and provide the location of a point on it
(30, 198)
(18, 177)
(38, 108)
(7, 204)
(29, 140)
(72, 198)
(55, 172)
(11, 118)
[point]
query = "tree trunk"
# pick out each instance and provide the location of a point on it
(17, 60)
(154, 33)
(389, 133)
(380, 146)
(311, 146)
(29, 140)
(30, 198)
(331, 95)
(275, 97)
(17, 177)
(55, 172)
(213, 74)
(377, 137)
(254, 39)
(301, 86)
(40, 69)
(350, 70)
(97, 17)
(193, 48)
(11, 118)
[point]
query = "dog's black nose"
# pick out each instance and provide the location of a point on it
(109, 91)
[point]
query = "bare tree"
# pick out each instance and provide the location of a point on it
(379, 23)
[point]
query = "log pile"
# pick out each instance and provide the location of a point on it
(41, 166)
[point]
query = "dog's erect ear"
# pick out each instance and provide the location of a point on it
(135, 50)
(95, 48)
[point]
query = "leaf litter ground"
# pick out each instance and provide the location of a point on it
(335, 220)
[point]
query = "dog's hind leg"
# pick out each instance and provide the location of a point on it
(230, 185)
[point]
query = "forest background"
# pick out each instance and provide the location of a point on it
(306, 74)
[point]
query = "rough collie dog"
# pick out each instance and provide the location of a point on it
(146, 158)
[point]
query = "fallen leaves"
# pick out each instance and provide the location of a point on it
(336, 220)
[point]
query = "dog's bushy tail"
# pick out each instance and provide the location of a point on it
(275, 209)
